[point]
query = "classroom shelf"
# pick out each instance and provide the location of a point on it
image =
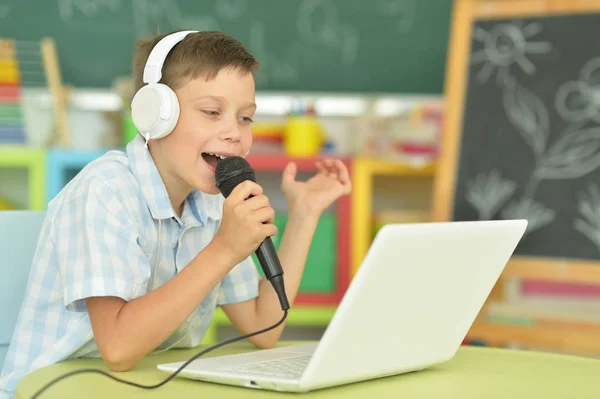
(563, 338)
(365, 169)
(299, 316)
(276, 163)
(32, 159)
(63, 165)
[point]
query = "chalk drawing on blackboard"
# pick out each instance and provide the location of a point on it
(89, 8)
(579, 100)
(536, 214)
(488, 192)
(589, 208)
(318, 24)
(161, 16)
(528, 114)
(231, 9)
(404, 10)
(504, 45)
(574, 154)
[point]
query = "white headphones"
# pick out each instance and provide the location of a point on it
(155, 108)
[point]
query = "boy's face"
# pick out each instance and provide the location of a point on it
(215, 118)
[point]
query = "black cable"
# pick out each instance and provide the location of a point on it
(169, 378)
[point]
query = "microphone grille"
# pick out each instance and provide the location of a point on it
(232, 171)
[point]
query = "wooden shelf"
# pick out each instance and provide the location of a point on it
(363, 171)
(383, 167)
(34, 160)
(563, 338)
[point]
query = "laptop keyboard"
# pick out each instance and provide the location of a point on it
(291, 367)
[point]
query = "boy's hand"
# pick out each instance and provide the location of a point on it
(312, 197)
(246, 222)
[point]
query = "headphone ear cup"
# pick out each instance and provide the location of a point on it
(155, 110)
(174, 114)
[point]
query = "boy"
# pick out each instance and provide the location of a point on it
(109, 280)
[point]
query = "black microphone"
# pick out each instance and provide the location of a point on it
(230, 172)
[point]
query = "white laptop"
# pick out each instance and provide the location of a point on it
(409, 307)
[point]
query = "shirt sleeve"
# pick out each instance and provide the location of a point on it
(240, 284)
(98, 248)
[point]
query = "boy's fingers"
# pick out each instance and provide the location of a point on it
(264, 215)
(321, 168)
(245, 190)
(343, 174)
(289, 173)
(254, 203)
(269, 229)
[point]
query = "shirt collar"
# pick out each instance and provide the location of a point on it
(199, 206)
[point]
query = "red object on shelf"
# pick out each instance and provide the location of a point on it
(413, 148)
(10, 93)
(533, 288)
(276, 163)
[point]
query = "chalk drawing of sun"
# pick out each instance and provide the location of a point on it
(504, 45)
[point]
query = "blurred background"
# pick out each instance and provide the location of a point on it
(442, 110)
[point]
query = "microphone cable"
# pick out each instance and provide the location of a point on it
(170, 377)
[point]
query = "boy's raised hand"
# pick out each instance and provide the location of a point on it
(246, 222)
(312, 197)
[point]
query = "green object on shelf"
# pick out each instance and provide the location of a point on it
(34, 160)
(320, 270)
(299, 316)
(10, 112)
(129, 129)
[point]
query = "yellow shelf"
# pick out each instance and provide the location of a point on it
(34, 160)
(299, 316)
(382, 167)
(364, 169)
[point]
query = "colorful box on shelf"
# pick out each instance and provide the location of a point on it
(63, 165)
(34, 160)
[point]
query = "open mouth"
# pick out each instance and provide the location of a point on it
(212, 159)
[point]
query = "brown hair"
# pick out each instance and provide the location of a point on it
(199, 54)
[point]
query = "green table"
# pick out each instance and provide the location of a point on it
(474, 372)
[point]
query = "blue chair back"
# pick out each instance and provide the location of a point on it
(19, 232)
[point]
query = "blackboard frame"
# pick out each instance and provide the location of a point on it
(465, 13)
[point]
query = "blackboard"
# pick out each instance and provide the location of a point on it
(305, 45)
(530, 145)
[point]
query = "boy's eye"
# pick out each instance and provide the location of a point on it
(246, 119)
(210, 112)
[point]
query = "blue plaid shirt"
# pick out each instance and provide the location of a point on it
(100, 238)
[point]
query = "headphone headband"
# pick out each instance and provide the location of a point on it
(156, 59)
